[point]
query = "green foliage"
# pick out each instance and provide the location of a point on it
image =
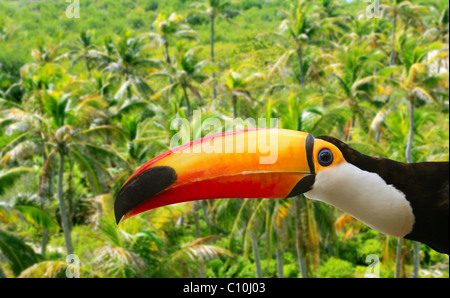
(9, 177)
(46, 269)
(103, 90)
(336, 268)
(18, 254)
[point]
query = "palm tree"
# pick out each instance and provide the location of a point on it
(396, 133)
(354, 78)
(298, 209)
(129, 59)
(54, 129)
(170, 27)
(47, 55)
(186, 73)
(23, 211)
(414, 88)
(408, 11)
(28, 143)
(14, 249)
(10, 176)
(27, 117)
(279, 219)
(200, 252)
(396, 8)
(300, 28)
(214, 8)
(250, 219)
(239, 86)
(116, 258)
(359, 29)
(415, 83)
(84, 49)
(440, 21)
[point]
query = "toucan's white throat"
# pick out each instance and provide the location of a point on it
(365, 196)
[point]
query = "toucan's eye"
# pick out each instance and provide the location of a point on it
(325, 157)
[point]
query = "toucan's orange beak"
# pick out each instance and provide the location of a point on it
(254, 163)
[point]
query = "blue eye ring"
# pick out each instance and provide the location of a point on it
(325, 157)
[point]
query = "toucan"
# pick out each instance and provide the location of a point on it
(406, 200)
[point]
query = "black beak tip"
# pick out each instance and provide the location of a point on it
(142, 187)
(302, 186)
(118, 215)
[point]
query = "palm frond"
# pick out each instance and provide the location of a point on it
(200, 252)
(38, 218)
(116, 261)
(9, 177)
(424, 95)
(18, 254)
(46, 269)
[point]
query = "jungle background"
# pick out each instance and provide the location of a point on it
(86, 99)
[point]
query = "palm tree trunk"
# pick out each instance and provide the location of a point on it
(398, 258)
(212, 59)
(409, 159)
(411, 132)
(44, 240)
(279, 255)
(198, 234)
(88, 68)
(206, 215)
(416, 259)
(197, 204)
(188, 105)
(2, 274)
(69, 196)
(256, 255)
(62, 206)
(408, 155)
(42, 195)
(297, 205)
(300, 61)
(168, 60)
(234, 99)
(393, 53)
